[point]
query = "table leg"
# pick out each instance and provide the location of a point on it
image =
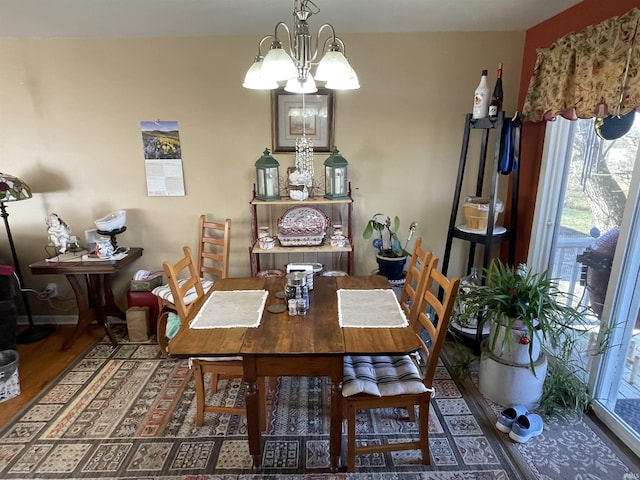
(253, 409)
(335, 425)
(110, 306)
(85, 312)
(98, 295)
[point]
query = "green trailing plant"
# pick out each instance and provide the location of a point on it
(519, 299)
(463, 360)
(388, 242)
(563, 390)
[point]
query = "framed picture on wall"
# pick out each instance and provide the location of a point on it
(294, 115)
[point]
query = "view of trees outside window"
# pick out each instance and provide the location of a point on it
(596, 187)
(594, 190)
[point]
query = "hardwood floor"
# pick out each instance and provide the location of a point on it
(41, 362)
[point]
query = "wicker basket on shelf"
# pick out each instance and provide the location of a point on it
(476, 212)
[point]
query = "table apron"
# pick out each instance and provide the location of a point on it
(294, 365)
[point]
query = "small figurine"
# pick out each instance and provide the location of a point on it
(58, 231)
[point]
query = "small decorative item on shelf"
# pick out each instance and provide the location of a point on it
(302, 226)
(335, 176)
(338, 240)
(112, 225)
(263, 231)
(267, 243)
(58, 232)
(267, 177)
(298, 192)
(476, 212)
(112, 221)
(104, 248)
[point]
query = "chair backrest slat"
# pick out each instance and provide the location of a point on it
(213, 248)
(415, 280)
(434, 312)
(181, 284)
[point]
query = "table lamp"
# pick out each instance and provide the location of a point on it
(13, 189)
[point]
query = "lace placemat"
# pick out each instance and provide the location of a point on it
(231, 309)
(377, 308)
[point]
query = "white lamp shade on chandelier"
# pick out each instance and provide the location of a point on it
(254, 78)
(295, 85)
(294, 65)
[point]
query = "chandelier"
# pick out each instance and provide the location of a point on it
(293, 66)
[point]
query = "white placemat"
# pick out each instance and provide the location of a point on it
(230, 309)
(377, 308)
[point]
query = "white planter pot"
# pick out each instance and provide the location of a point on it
(511, 384)
(505, 344)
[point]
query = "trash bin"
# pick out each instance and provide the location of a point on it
(9, 380)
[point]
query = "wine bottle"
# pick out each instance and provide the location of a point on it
(496, 98)
(481, 98)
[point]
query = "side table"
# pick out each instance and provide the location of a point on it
(97, 302)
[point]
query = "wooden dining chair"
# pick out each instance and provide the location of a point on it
(414, 283)
(400, 380)
(218, 367)
(213, 261)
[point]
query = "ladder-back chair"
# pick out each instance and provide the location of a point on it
(401, 380)
(213, 261)
(218, 367)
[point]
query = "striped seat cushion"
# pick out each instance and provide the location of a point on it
(381, 376)
(164, 292)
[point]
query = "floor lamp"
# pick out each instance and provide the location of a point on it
(12, 189)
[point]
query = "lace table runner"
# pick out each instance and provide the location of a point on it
(230, 309)
(370, 309)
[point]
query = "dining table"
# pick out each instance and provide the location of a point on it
(314, 344)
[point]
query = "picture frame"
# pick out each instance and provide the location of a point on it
(287, 115)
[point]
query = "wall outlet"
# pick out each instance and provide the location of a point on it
(52, 290)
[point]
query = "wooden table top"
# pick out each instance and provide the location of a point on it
(317, 333)
(87, 267)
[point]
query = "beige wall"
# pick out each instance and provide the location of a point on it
(70, 112)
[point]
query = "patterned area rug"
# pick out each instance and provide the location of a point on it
(126, 413)
(571, 446)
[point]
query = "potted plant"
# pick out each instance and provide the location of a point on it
(391, 254)
(524, 311)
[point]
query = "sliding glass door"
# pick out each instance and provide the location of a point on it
(587, 233)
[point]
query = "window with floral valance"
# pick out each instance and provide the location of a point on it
(592, 73)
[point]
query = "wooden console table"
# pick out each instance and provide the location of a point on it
(96, 303)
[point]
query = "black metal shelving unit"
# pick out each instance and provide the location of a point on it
(483, 127)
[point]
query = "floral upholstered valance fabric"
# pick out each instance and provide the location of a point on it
(587, 74)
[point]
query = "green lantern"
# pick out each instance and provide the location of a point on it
(267, 177)
(335, 176)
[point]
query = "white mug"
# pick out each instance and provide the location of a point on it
(104, 249)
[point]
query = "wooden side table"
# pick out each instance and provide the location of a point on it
(97, 302)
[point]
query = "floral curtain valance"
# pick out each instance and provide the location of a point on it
(588, 74)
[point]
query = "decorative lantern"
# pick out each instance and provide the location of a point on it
(335, 176)
(267, 177)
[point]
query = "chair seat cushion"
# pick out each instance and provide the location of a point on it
(381, 376)
(164, 292)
